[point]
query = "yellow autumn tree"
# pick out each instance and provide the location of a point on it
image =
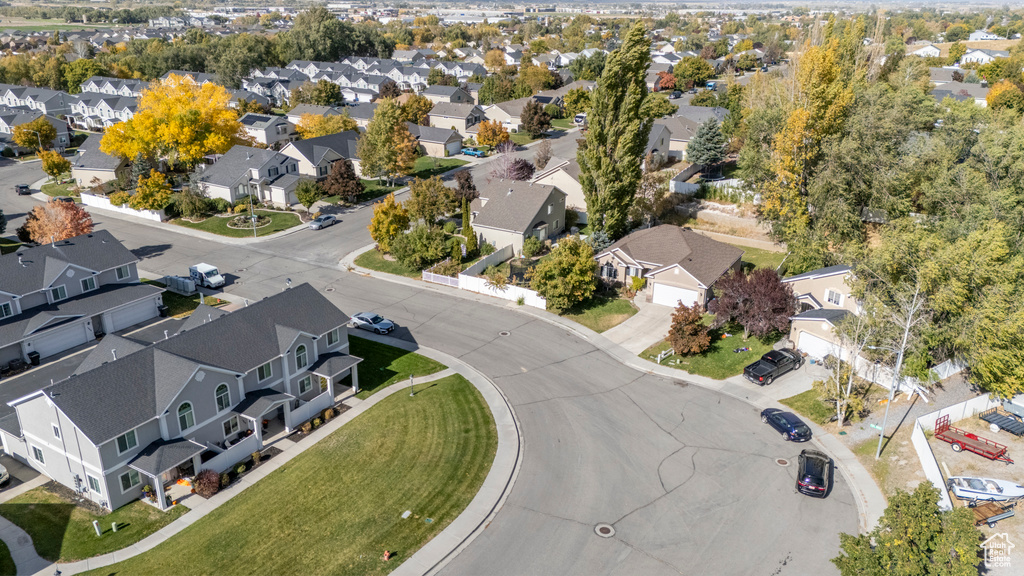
(1005, 95)
(152, 193)
(179, 121)
(314, 125)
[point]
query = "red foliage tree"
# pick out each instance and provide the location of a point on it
(758, 301)
(688, 335)
(667, 81)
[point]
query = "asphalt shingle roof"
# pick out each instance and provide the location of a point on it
(314, 149)
(830, 315)
(511, 205)
(236, 163)
(32, 269)
(819, 273)
(703, 258)
(162, 455)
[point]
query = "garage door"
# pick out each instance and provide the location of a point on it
(132, 314)
(59, 340)
(815, 346)
(671, 295)
(454, 148)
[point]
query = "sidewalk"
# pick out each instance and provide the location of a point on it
(434, 554)
(871, 503)
(18, 542)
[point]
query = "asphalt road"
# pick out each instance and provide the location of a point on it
(687, 476)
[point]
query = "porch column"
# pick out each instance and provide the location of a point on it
(287, 416)
(158, 489)
(258, 423)
(355, 380)
(330, 387)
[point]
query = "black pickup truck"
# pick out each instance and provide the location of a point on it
(771, 366)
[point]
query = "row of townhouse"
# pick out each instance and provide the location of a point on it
(128, 87)
(51, 102)
(13, 117)
(95, 111)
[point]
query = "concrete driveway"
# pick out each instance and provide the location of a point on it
(644, 329)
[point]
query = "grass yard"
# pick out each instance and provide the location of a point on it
(807, 404)
(371, 191)
(425, 166)
(7, 566)
(63, 532)
(374, 260)
(336, 507)
(719, 361)
(219, 225)
(562, 123)
(521, 138)
(600, 314)
(54, 189)
(8, 246)
(384, 365)
(761, 258)
(179, 306)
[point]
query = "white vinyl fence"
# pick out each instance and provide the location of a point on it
(309, 410)
(233, 455)
(105, 204)
(469, 280)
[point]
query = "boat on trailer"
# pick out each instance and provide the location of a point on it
(971, 488)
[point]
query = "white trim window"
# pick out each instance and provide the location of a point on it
(230, 426)
(126, 442)
(265, 372)
(88, 284)
(37, 455)
(6, 310)
(223, 396)
(129, 480)
(301, 357)
(305, 385)
(56, 431)
(833, 297)
(94, 483)
(333, 337)
(186, 417)
(58, 293)
(123, 272)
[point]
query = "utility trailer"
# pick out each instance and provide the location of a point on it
(963, 440)
(1004, 420)
(990, 513)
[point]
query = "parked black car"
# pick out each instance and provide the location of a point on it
(22, 189)
(814, 473)
(675, 94)
(771, 366)
(791, 427)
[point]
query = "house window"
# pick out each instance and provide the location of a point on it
(56, 432)
(58, 293)
(273, 172)
(333, 337)
(6, 310)
(608, 270)
(186, 419)
(126, 442)
(549, 208)
(129, 480)
(300, 357)
(223, 397)
(123, 272)
(264, 372)
(94, 483)
(230, 426)
(37, 454)
(305, 385)
(88, 284)
(834, 297)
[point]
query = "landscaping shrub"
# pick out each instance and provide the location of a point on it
(7, 153)
(486, 249)
(220, 205)
(316, 422)
(450, 267)
(225, 479)
(240, 469)
(532, 246)
(449, 227)
(420, 247)
(119, 198)
(328, 414)
(207, 483)
(256, 457)
(553, 110)
(306, 427)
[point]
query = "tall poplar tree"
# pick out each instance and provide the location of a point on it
(619, 123)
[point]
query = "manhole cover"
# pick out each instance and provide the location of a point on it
(604, 530)
(504, 333)
(782, 462)
(328, 289)
(240, 270)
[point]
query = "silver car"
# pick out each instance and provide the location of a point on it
(322, 222)
(373, 322)
(4, 476)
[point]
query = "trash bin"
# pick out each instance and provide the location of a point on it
(33, 357)
(162, 309)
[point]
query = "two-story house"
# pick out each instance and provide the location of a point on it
(265, 174)
(825, 299)
(438, 93)
(459, 117)
(508, 211)
(317, 155)
(57, 296)
(92, 166)
(135, 414)
(266, 129)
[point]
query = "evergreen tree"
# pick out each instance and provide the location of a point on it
(467, 228)
(707, 148)
(619, 125)
(140, 169)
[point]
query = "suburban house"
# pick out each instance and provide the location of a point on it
(57, 296)
(658, 143)
(93, 166)
(13, 117)
(94, 111)
(114, 86)
(825, 299)
(438, 93)
(295, 114)
(136, 414)
(962, 91)
(940, 76)
(509, 211)
(362, 113)
(316, 155)
(983, 56)
(679, 264)
(266, 129)
(683, 126)
(509, 113)
(436, 142)
(265, 174)
(565, 175)
(459, 117)
(927, 51)
(978, 35)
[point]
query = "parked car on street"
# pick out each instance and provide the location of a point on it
(372, 322)
(322, 221)
(814, 473)
(771, 366)
(675, 94)
(67, 199)
(475, 152)
(22, 189)
(788, 424)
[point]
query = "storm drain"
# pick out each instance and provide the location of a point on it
(504, 333)
(329, 289)
(604, 530)
(782, 462)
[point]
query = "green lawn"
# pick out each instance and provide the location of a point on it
(219, 225)
(7, 566)
(371, 191)
(425, 166)
(384, 365)
(54, 189)
(600, 314)
(807, 404)
(719, 361)
(8, 246)
(336, 507)
(761, 258)
(63, 532)
(521, 138)
(563, 123)
(179, 306)
(374, 260)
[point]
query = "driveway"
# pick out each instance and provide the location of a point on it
(644, 329)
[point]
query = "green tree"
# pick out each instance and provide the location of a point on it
(535, 120)
(389, 220)
(472, 244)
(377, 148)
(308, 192)
(420, 247)
(1006, 95)
(81, 70)
(706, 98)
(152, 193)
(914, 537)
(956, 52)
(694, 69)
(589, 67)
(661, 107)
(707, 147)
(568, 276)
(429, 200)
(619, 125)
(957, 32)
(323, 93)
(239, 54)
(416, 109)
(576, 101)
(35, 134)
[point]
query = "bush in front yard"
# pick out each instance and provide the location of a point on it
(119, 198)
(420, 247)
(531, 247)
(207, 483)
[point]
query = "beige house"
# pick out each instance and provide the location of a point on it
(436, 142)
(317, 155)
(458, 117)
(438, 93)
(679, 264)
(93, 166)
(825, 299)
(565, 175)
(509, 113)
(509, 211)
